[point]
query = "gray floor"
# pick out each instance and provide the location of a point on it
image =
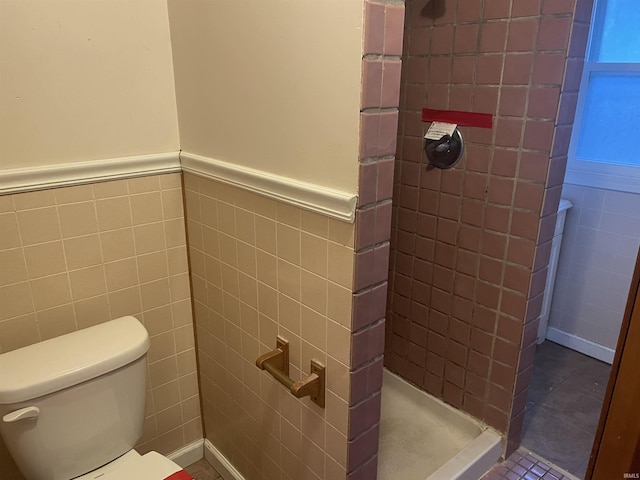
(201, 470)
(563, 408)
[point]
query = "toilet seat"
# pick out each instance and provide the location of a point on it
(133, 466)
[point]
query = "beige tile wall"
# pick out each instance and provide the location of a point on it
(78, 256)
(260, 269)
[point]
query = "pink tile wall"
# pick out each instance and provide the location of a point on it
(469, 246)
(262, 268)
(381, 72)
(77, 256)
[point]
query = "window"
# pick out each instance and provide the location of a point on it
(605, 143)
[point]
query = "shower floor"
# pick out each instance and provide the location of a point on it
(419, 435)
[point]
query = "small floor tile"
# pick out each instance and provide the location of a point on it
(522, 465)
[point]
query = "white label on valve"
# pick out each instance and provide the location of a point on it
(437, 130)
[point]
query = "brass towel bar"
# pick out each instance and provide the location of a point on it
(276, 362)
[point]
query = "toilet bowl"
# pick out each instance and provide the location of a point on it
(73, 406)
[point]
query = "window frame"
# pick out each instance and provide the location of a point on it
(590, 173)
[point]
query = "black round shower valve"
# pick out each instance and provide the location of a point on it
(446, 152)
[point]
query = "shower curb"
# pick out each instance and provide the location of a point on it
(473, 461)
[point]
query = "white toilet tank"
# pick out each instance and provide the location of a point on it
(76, 402)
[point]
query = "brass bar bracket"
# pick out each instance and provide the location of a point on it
(278, 359)
(313, 385)
(276, 363)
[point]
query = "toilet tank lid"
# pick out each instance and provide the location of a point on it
(61, 362)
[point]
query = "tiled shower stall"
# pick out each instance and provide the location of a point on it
(464, 250)
(470, 245)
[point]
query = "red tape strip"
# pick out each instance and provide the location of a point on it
(179, 475)
(468, 119)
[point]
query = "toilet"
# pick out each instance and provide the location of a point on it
(73, 406)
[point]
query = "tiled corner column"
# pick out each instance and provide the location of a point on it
(563, 51)
(384, 25)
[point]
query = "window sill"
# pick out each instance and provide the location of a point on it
(622, 178)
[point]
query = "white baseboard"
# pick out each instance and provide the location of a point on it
(220, 462)
(188, 454)
(582, 345)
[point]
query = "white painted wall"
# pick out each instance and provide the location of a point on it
(271, 85)
(599, 249)
(84, 80)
